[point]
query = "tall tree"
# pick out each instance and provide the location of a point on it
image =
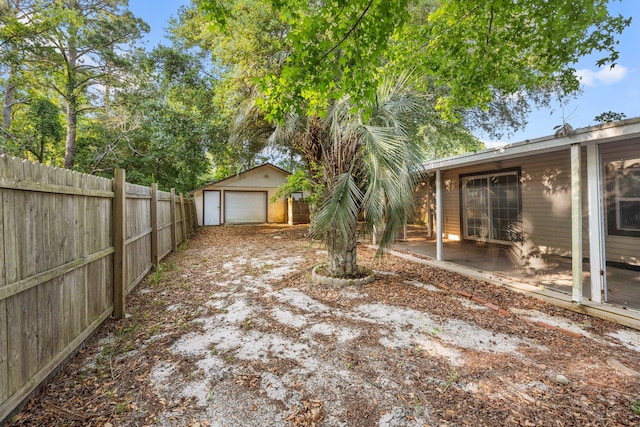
(161, 128)
(21, 22)
(369, 164)
(251, 47)
(89, 48)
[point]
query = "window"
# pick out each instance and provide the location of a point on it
(491, 207)
(623, 213)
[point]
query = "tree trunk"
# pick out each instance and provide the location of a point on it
(72, 128)
(7, 104)
(72, 104)
(342, 259)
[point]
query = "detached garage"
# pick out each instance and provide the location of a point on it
(242, 198)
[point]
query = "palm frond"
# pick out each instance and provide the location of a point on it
(340, 208)
(391, 158)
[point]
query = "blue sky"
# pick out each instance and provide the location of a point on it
(604, 89)
(156, 13)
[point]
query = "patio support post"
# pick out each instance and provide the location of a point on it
(439, 215)
(597, 249)
(576, 225)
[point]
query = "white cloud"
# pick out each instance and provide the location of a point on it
(606, 76)
(493, 144)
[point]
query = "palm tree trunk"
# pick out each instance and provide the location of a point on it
(342, 259)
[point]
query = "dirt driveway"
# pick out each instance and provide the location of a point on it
(231, 332)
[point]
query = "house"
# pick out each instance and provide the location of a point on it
(573, 196)
(243, 198)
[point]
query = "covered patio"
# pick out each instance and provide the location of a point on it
(552, 283)
(552, 272)
(559, 213)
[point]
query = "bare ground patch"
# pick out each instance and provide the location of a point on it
(231, 332)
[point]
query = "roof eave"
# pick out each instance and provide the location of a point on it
(607, 132)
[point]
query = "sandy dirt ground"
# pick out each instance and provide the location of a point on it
(231, 331)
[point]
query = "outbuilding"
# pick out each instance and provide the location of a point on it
(244, 198)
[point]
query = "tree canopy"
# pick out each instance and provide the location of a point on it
(480, 51)
(79, 91)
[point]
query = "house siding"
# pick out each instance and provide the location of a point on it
(546, 200)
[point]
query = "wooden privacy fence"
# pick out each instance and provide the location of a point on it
(72, 246)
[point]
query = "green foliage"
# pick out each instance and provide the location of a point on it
(161, 129)
(46, 131)
(62, 50)
(298, 181)
(478, 48)
(609, 116)
(454, 376)
(337, 49)
(482, 53)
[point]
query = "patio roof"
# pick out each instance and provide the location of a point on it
(607, 132)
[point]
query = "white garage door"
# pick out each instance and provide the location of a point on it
(242, 207)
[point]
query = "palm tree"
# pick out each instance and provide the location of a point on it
(369, 163)
(365, 161)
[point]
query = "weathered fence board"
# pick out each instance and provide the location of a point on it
(138, 234)
(164, 224)
(60, 262)
(4, 375)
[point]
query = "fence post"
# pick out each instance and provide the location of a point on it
(119, 238)
(174, 225)
(184, 219)
(154, 224)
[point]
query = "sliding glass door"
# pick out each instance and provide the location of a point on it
(491, 207)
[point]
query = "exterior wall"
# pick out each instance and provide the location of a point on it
(198, 203)
(451, 202)
(265, 178)
(422, 199)
(546, 201)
